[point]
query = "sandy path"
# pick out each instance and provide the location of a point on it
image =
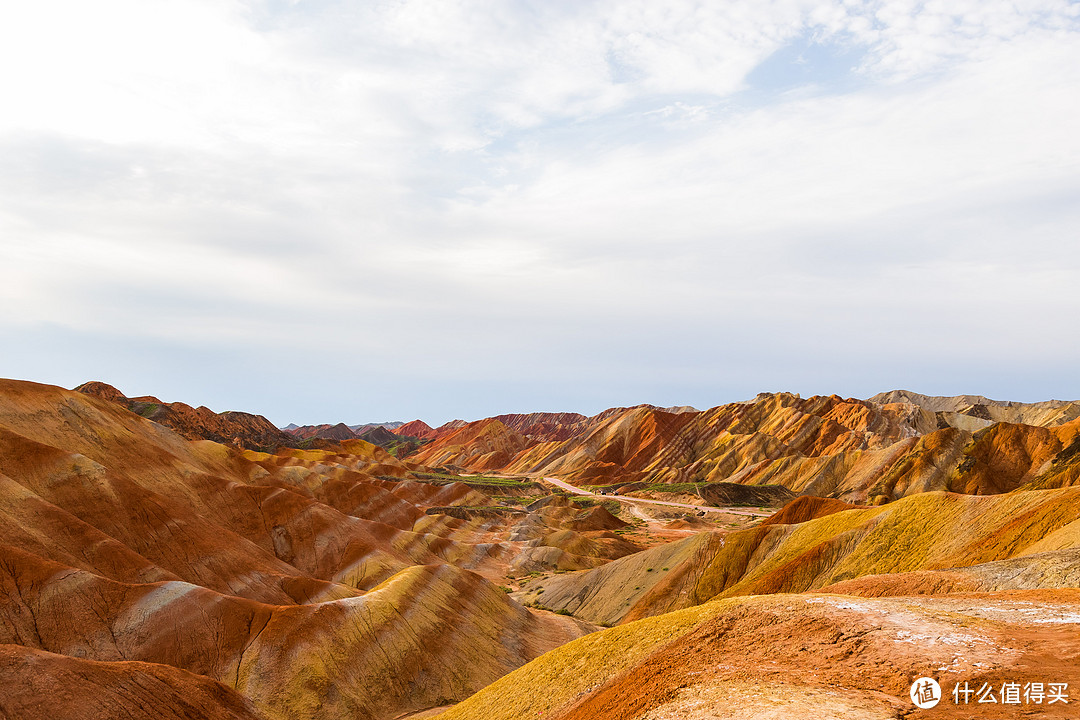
(683, 506)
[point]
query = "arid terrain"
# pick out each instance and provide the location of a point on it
(764, 559)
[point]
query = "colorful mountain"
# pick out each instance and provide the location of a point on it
(859, 451)
(416, 429)
(147, 569)
(300, 583)
(236, 428)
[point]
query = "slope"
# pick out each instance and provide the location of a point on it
(931, 531)
(796, 655)
(321, 570)
(427, 635)
(854, 450)
(201, 423)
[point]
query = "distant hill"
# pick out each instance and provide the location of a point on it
(860, 451)
(341, 431)
(378, 435)
(363, 427)
(338, 432)
(416, 429)
(201, 423)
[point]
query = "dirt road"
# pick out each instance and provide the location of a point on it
(682, 506)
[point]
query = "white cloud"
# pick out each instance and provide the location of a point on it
(600, 175)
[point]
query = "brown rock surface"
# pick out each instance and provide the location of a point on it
(806, 508)
(859, 451)
(725, 494)
(417, 429)
(930, 531)
(311, 581)
(479, 446)
(201, 423)
(139, 567)
(426, 635)
(337, 432)
(783, 656)
(45, 685)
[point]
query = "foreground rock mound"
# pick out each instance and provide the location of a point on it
(44, 685)
(426, 635)
(800, 656)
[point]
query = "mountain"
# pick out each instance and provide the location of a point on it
(975, 412)
(39, 684)
(338, 432)
(824, 610)
(478, 446)
(814, 543)
(146, 572)
(859, 451)
(807, 655)
(379, 435)
(408, 636)
(415, 429)
(299, 583)
(237, 428)
(364, 427)
(545, 426)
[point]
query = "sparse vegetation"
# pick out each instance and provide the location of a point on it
(483, 481)
(688, 488)
(612, 506)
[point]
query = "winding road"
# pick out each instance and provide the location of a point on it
(682, 506)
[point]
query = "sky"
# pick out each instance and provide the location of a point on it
(328, 211)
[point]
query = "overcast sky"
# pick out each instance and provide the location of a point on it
(360, 211)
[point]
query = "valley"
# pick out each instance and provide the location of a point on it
(777, 556)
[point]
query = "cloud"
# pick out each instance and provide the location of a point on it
(681, 198)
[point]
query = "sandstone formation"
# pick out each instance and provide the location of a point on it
(479, 446)
(40, 684)
(416, 429)
(201, 423)
(337, 432)
(147, 570)
(167, 561)
(428, 634)
(976, 407)
(811, 655)
(859, 451)
(814, 543)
